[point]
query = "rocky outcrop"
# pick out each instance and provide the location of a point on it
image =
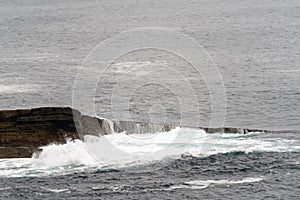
(22, 132)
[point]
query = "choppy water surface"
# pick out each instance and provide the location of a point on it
(258, 165)
(256, 47)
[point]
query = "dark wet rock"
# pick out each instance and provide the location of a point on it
(23, 132)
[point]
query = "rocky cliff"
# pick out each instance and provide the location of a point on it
(22, 132)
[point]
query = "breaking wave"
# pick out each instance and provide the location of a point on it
(122, 150)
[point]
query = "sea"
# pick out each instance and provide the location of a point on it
(208, 63)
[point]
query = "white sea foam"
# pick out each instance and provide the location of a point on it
(133, 68)
(19, 88)
(288, 71)
(201, 184)
(56, 190)
(120, 149)
(72, 153)
(6, 188)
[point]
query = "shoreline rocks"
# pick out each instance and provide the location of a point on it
(23, 132)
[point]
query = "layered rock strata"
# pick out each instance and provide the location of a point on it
(23, 132)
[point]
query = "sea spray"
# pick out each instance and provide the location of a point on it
(122, 150)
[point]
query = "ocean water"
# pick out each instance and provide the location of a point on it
(212, 166)
(255, 47)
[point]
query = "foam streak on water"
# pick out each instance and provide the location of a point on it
(19, 88)
(201, 184)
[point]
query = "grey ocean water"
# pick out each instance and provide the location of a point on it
(256, 47)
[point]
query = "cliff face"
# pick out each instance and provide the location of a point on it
(22, 132)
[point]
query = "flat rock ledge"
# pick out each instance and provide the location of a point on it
(23, 132)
